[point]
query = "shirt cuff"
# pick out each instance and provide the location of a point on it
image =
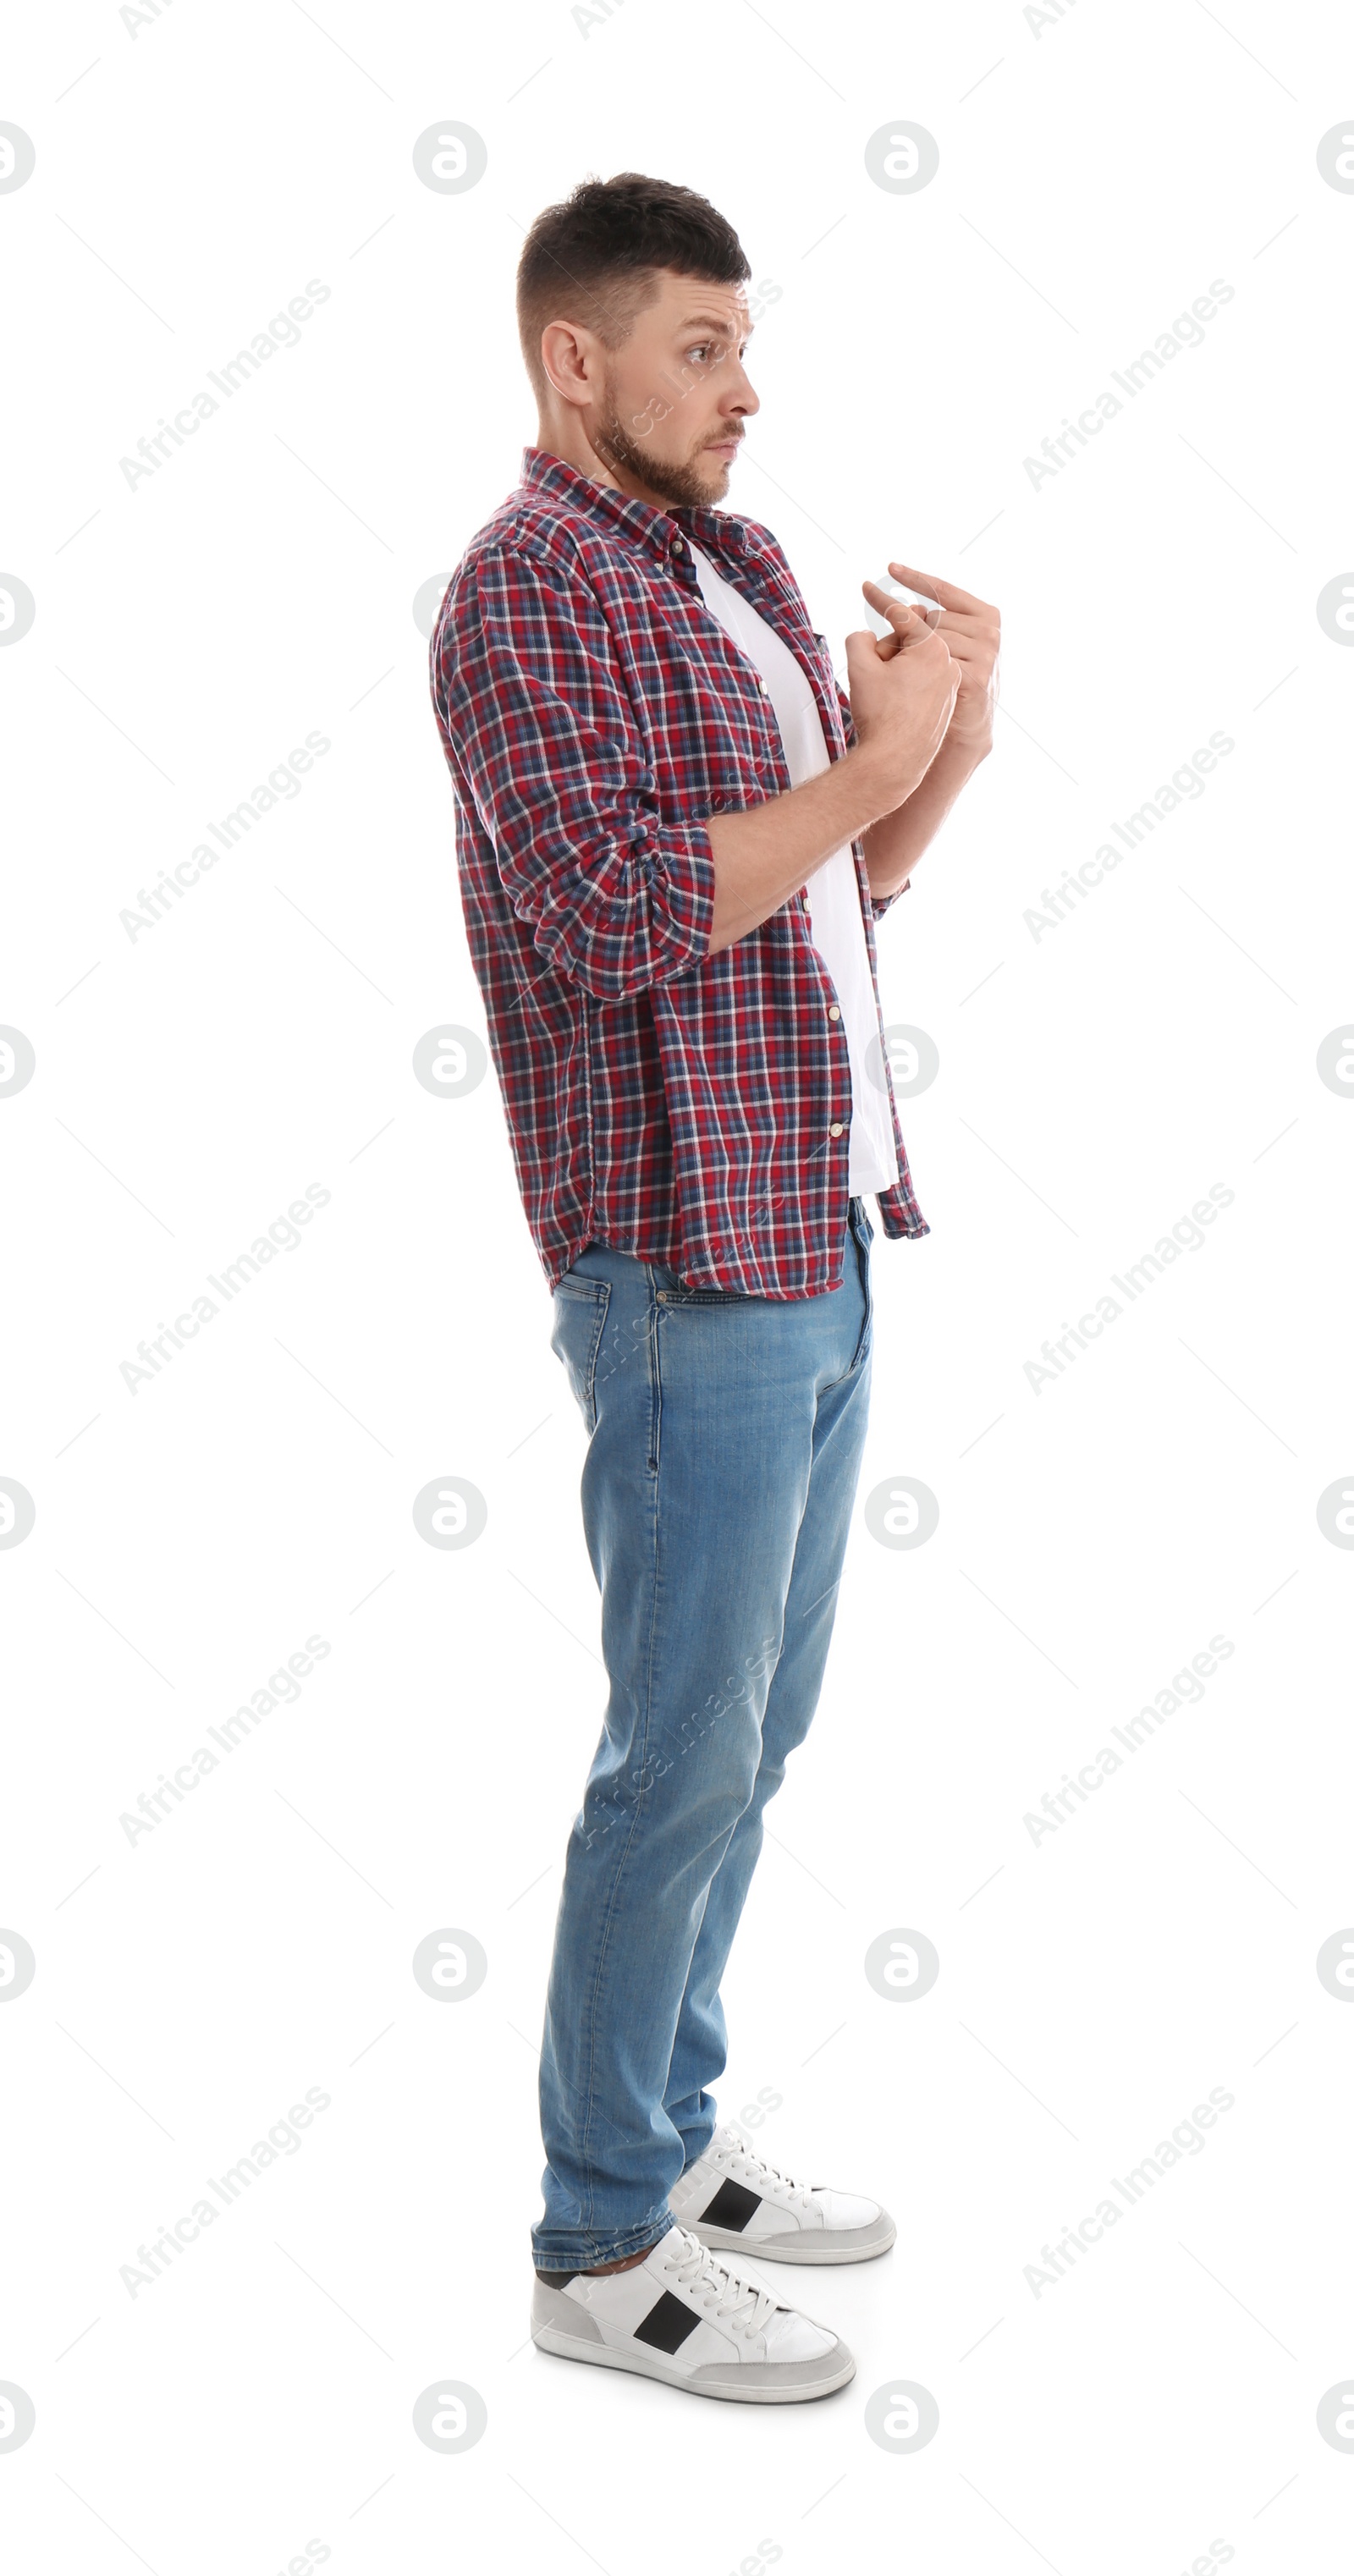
(879, 903)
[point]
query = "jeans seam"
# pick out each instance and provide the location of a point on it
(655, 1390)
(585, 2142)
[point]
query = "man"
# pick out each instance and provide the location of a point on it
(675, 835)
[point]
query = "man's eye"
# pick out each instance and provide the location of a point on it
(702, 348)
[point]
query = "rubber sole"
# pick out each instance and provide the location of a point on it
(750, 2383)
(836, 2245)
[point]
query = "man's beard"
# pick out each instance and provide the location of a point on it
(682, 487)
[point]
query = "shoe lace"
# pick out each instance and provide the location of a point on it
(759, 2170)
(720, 2288)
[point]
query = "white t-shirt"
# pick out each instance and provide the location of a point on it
(836, 922)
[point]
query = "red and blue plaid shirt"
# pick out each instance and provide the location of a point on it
(684, 1108)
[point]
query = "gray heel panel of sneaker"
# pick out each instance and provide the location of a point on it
(564, 2316)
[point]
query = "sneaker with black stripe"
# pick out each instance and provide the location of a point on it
(684, 2317)
(735, 2202)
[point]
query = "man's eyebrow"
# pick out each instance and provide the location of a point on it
(712, 322)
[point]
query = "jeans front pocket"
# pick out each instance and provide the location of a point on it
(576, 1338)
(680, 1296)
(669, 1290)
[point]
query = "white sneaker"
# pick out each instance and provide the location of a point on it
(696, 2323)
(732, 2200)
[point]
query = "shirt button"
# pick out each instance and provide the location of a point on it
(762, 686)
(678, 546)
(833, 1012)
(836, 1128)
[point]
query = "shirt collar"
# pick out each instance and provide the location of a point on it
(654, 529)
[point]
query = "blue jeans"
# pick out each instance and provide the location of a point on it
(725, 1435)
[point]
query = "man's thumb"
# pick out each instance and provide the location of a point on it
(862, 647)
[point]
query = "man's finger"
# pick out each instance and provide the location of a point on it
(960, 647)
(954, 621)
(883, 647)
(886, 599)
(947, 592)
(900, 612)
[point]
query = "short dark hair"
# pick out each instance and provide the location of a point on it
(595, 257)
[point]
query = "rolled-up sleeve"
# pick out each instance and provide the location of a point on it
(556, 757)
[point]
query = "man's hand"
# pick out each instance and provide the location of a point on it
(971, 631)
(903, 691)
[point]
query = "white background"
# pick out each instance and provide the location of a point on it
(1096, 174)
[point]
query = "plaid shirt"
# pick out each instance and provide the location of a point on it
(684, 1108)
